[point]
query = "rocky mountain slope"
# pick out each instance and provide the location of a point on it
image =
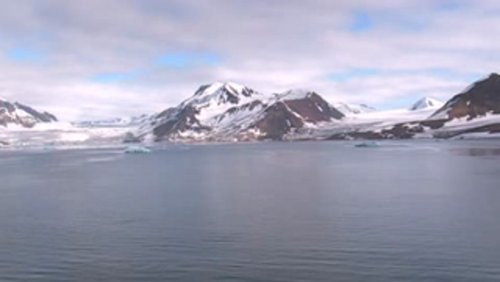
(229, 111)
(480, 99)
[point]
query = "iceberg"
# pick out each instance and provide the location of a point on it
(367, 145)
(137, 149)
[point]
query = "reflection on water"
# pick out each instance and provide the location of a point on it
(476, 152)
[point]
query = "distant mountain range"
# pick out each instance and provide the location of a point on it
(229, 112)
(22, 115)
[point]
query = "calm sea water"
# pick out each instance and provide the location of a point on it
(324, 211)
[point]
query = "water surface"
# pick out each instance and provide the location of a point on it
(323, 211)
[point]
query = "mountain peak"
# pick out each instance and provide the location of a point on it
(426, 103)
(494, 75)
(227, 86)
(213, 99)
(219, 93)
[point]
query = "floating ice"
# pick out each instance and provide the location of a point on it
(137, 149)
(367, 145)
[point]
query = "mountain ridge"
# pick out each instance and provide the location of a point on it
(479, 99)
(230, 112)
(233, 111)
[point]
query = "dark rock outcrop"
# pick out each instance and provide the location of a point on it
(489, 129)
(278, 121)
(313, 108)
(41, 117)
(398, 131)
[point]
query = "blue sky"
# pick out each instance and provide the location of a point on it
(188, 59)
(127, 57)
(25, 54)
(362, 21)
(114, 77)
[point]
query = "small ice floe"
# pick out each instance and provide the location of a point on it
(367, 145)
(137, 149)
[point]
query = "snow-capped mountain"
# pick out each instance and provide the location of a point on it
(426, 103)
(199, 113)
(214, 98)
(21, 115)
(229, 111)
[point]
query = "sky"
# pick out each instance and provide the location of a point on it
(97, 59)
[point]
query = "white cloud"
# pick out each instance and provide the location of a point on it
(269, 45)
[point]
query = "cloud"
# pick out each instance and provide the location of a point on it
(352, 74)
(121, 57)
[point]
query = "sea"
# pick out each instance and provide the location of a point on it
(418, 210)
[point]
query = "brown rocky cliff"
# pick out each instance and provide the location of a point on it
(481, 99)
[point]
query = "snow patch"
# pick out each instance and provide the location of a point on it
(295, 94)
(352, 109)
